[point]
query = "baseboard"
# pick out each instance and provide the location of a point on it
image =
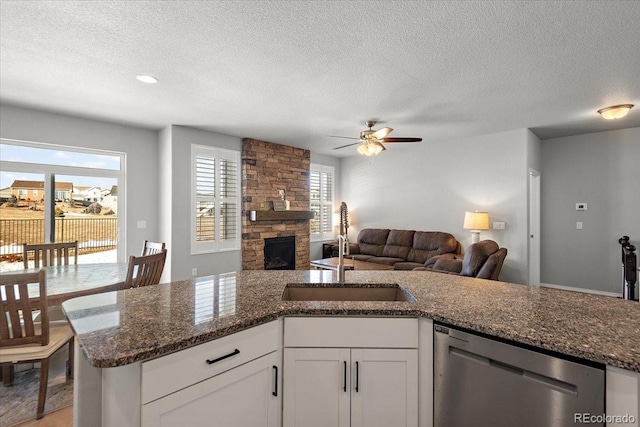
(588, 291)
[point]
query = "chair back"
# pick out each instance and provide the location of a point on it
(16, 320)
(151, 248)
(49, 254)
(145, 270)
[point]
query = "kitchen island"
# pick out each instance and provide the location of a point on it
(122, 329)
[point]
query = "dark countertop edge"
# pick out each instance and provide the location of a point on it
(145, 355)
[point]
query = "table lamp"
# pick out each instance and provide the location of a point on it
(476, 221)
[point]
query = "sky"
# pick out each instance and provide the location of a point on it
(22, 154)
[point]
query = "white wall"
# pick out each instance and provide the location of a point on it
(165, 182)
(321, 159)
(177, 197)
(429, 186)
(603, 170)
(140, 146)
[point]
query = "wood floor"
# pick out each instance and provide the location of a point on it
(60, 418)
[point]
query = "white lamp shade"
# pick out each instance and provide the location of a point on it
(476, 221)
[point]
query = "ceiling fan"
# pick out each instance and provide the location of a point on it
(371, 140)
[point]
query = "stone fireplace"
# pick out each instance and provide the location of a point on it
(267, 168)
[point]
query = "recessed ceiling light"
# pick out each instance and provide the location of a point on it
(615, 111)
(147, 79)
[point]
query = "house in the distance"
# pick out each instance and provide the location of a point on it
(34, 190)
(110, 198)
(86, 194)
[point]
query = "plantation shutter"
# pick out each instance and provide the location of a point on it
(314, 200)
(216, 200)
(321, 186)
(205, 198)
(229, 201)
(327, 202)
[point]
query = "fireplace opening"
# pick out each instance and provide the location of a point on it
(280, 253)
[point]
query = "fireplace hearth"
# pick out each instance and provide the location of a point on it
(280, 253)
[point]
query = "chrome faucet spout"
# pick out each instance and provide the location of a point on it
(341, 242)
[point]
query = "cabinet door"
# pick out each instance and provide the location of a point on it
(243, 396)
(384, 389)
(316, 387)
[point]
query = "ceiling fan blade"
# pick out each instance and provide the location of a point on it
(345, 146)
(344, 137)
(401, 139)
(379, 134)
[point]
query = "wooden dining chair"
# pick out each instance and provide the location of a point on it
(50, 254)
(145, 270)
(151, 248)
(21, 339)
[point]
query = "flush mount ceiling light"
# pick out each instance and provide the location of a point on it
(147, 79)
(615, 111)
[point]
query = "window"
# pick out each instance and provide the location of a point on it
(321, 188)
(215, 204)
(48, 183)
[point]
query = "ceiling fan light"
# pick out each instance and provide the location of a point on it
(364, 149)
(615, 111)
(375, 147)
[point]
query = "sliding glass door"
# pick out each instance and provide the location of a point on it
(59, 194)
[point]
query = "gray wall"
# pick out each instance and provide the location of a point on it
(603, 170)
(320, 159)
(177, 199)
(140, 146)
(429, 186)
(165, 182)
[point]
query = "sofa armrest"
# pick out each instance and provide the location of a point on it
(354, 249)
(431, 261)
(450, 265)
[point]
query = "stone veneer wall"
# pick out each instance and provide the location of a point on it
(267, 167)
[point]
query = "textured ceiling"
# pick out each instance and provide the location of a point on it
(295, 72)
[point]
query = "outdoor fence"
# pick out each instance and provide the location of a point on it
(92, 234)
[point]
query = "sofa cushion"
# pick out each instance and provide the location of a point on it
(476, 256)
(398, 244)
(371, 241)
(427, 244)
(385, 260)
(360, 257)
(406, 265)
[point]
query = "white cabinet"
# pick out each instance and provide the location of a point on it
(247, 395)
(233, 382)
(343, 386)
(385, 392)
(316, 387)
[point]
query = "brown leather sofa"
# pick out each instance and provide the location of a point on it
(404, 249)
(482, 260)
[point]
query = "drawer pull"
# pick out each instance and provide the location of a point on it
(344, 387)
(275, 392)
(226, 356)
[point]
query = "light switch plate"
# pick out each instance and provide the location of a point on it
(500, 225)
(581, 206)
(142, 224)
(579, 225)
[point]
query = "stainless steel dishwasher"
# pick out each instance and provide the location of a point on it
(484, 382)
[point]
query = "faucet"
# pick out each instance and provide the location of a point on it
(341, 244)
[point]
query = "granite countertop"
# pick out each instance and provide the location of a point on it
(118, 328)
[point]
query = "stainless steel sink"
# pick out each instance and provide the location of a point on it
(346, 292)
